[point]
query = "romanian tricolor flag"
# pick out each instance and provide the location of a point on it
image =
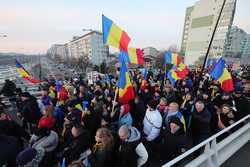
(221, 74)
(24, 74)
(144, 81)
(114, 35)
(135, 56)
(172, 76)
(125, 91)
(172, 58)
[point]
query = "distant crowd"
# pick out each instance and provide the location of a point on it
(78, 124)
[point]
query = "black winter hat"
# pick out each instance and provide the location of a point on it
(153, 104)
(176, 121)
(25, 94)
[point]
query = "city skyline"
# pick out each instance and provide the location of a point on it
(33, 26)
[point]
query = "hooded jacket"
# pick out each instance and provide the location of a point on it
(152, 124)
(48, 143)
(125, 119)
(132, 152)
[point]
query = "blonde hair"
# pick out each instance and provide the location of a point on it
(49, 110)
(107, 139)
(164, 100)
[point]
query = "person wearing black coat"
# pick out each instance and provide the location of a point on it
(174, 140)
(138, 112)
(79, 144)
(8, 88)
(200, 122)
(30, 110)
(146, 95)
(10, 147)
(11, 128)
(242, 104)
(212, 109)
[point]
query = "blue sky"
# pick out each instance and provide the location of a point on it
(33, 26)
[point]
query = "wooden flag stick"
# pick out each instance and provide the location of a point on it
(165, 76)
(116, 93)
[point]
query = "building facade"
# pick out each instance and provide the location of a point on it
(150, 51)
(199, 24)
(90, 47)
(246, 50)
(236, 43)
(187, 26)
(55, 51)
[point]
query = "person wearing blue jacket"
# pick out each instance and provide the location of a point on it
(125, 117)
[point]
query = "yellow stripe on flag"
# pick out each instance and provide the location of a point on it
(132, 55)
(114, 36)
(128, 83)
(22, 72)
(225, 76)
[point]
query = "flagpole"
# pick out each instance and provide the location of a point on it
(116, 93)
(211, 41)
(165, 76)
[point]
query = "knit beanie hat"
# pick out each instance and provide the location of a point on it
(48, 122)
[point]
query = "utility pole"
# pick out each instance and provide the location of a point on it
(211, 41)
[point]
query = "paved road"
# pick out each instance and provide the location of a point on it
(240, 159)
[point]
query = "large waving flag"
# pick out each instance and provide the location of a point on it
(126, 91)
(114, 35)
(221, 74)
(172, 58)
(24, 74)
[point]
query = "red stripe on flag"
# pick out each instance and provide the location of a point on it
(32, 80)
(227, 85)
(140, 58)
(128, 95)
(124, 41)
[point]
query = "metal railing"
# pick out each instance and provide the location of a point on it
(215, 153)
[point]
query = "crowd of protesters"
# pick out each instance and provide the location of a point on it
(78, 124)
